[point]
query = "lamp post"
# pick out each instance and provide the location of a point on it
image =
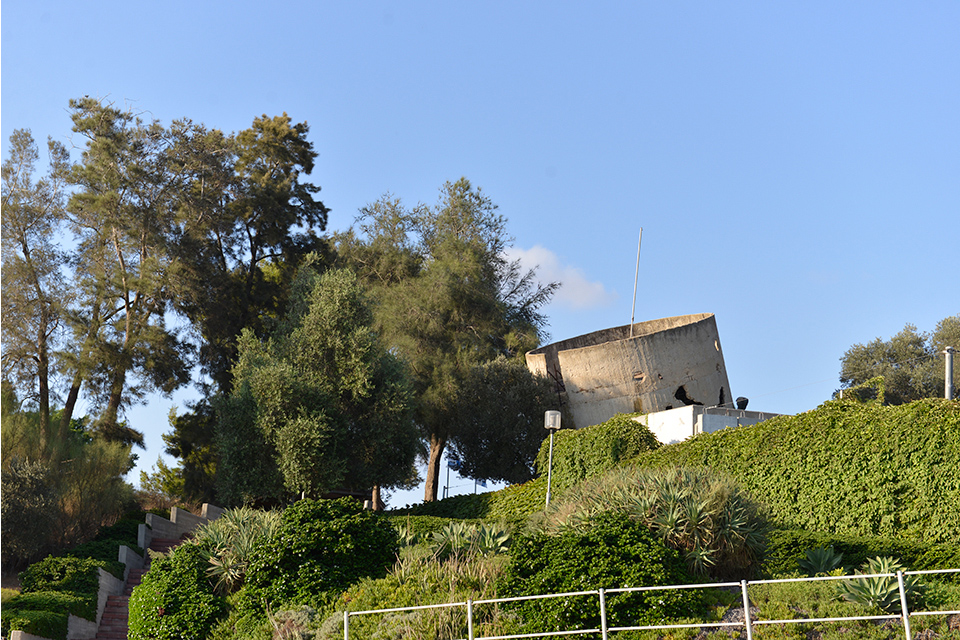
(551, 422)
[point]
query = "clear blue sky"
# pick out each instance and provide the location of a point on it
(795, 166)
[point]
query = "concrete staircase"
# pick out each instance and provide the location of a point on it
(113, 624)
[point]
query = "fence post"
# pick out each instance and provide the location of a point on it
(346, 625)
(903, 605)
(746, 610)
(469, 619)
(603, 614)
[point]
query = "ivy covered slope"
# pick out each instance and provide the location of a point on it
(846, 468)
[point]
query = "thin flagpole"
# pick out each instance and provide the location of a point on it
(636, 279)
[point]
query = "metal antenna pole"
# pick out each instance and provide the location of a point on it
(635, 280)
(948, 373)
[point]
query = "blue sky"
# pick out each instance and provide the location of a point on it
(795, 167)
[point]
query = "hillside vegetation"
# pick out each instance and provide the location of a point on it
(844, 468)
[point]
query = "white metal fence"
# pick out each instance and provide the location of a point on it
(604, 630)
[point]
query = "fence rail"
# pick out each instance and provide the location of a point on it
(743, 585)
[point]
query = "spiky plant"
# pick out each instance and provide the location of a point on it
(882, 592)
(230, 540)
(704, 515)
(820, 561)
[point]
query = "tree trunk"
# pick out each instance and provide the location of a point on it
(69, 405)
(375, 499)
(437, 445)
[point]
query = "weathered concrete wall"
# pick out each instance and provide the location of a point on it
(667, 363)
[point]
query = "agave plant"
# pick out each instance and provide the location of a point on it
(881, 592)
(458, 539)
(820, 561)
(705, 516)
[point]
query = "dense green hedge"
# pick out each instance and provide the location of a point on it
(583, 453)
(614, 551)
(845, 467)
(320, 548)
(175, 599)
(788, 546)
(51, 589)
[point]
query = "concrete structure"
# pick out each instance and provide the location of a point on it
(666, 363)
(676, 425)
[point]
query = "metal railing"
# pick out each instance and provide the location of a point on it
(604, 630)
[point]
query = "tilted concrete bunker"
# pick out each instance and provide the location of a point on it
(667, 363)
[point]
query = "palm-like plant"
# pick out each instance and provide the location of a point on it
(230, 540)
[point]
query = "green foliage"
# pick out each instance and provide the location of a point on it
(44, 613)
(77, 577)
(499, 417)
(230, 540)
(512, 504)
(419, 580)
(459, 539)
(71, 487)
(28, 511)
(705, 516)
(615, 551)
(821, 561)
(45, 623)
(583, 453)
(844, 468)
(788, 547)
(447, 298)
(910, 363)
(175, 599)
(320, 548)
(327, 404)
(881, 593)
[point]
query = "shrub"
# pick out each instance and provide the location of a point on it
(716, 528)
(73, 576)
(583, 453)
(787, 548)
(820, 561)
(614, 551)
(229, 542)
(320, 548)
(43, 623)
(175, 599)
(44, 613)
(844, 468)
(880, 593)
(420, 580)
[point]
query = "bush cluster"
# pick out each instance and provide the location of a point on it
(706, 516)
(844, 468)
(175, 599)
(320, 548)
(50, 590)
(614, 551)
(583, 453)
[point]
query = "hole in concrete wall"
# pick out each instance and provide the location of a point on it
(639, 376)
(681, 395)
(723, 397)
(668, 407)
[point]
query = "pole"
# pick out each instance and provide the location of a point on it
(549, 468)
(948, 373)
(636, 279)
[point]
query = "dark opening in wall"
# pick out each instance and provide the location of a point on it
(681, 395)
(723, 398)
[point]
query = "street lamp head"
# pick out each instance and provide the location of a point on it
(551, 420)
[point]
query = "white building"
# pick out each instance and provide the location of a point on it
(676, 425)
